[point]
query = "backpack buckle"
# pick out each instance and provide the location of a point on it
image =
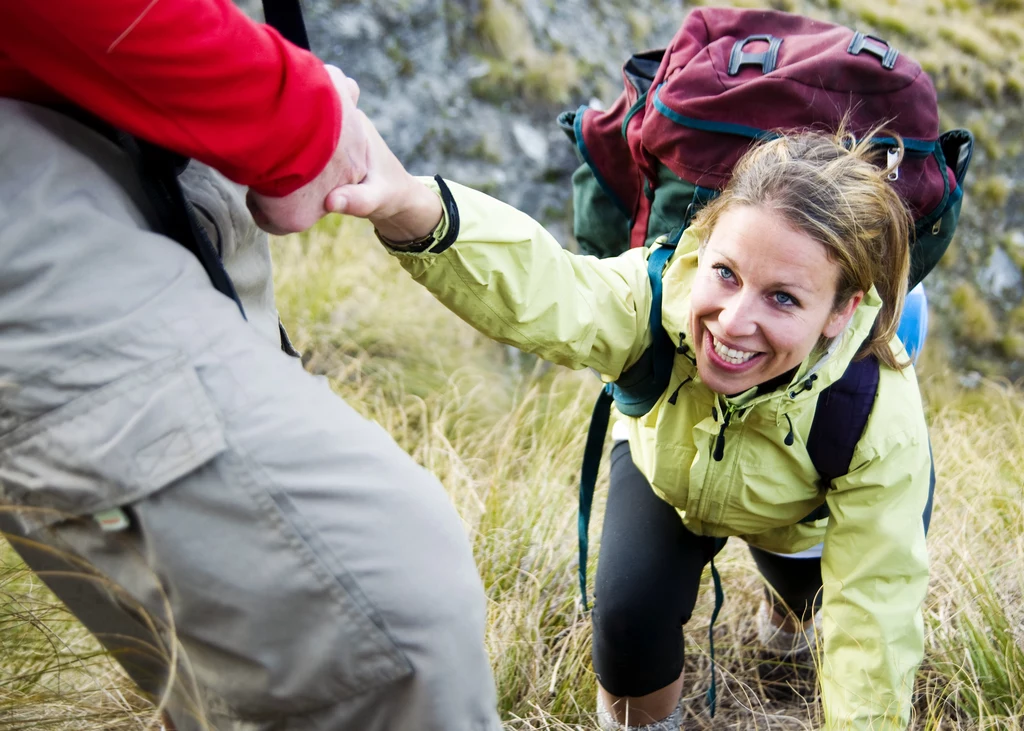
(876, 47)
(892, 164)
(766, 59)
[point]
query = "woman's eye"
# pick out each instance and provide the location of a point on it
(724, 272)
(781, 298)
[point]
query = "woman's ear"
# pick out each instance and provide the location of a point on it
(838, 320)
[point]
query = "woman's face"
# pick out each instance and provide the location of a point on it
(762, 298)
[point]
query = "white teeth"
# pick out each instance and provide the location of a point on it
(729, 355)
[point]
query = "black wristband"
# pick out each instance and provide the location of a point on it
(408, 247)
(428, 242)
(452, 212)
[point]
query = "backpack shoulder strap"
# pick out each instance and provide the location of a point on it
(634, 393)
(285, 16)
(840, 418)
(639, 388)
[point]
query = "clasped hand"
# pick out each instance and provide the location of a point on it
(363, 178)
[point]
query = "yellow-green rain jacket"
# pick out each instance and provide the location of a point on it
(510, 279)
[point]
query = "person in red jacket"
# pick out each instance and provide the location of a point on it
(254, 553)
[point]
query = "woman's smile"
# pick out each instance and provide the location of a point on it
(729, 356)
(762, 299)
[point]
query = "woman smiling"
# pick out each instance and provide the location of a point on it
(796, 271)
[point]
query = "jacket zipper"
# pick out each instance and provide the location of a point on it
(719, 452)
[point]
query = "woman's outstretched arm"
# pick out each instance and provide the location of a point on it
(504, 273)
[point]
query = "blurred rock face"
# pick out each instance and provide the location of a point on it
(471, 88)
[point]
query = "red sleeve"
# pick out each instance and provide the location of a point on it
(195, 76)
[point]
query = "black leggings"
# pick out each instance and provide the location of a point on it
(648, 574)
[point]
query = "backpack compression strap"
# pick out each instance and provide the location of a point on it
(651, 374)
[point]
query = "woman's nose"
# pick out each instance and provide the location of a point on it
(737, 317)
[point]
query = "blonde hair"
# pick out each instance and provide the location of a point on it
(830, 187)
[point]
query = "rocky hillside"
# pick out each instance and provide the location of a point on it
(471, 88)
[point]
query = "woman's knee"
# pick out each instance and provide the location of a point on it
(637, 616)
(638, 642)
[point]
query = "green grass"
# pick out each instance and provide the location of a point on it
(517, 68)
(975, 322)
(505, 433)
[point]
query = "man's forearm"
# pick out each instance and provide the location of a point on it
(196, 76)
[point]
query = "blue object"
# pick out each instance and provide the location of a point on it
(913, 327)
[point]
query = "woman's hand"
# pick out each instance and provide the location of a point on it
(399, 206)
(302, 208)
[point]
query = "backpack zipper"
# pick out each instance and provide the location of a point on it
(912, 147)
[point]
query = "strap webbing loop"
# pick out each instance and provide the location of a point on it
(712, 695)
(588, 478)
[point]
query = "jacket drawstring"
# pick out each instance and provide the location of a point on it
(675, 394)
(806, 386)
(684, 349)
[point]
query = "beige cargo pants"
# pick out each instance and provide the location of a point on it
(315, 577)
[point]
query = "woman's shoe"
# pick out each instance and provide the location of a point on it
(606, 720)
(783, 643)
(786, 659)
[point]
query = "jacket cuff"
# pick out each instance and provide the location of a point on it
(442, 237)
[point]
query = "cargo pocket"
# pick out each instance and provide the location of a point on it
(112, 446)
(271, 622)
(265, 607)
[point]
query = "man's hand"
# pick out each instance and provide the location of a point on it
(301, 209)
(397, 204)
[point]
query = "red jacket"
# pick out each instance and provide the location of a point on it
(195, 76)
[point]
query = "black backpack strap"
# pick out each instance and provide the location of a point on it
(285, 16)
(158, 170)
(840, 418)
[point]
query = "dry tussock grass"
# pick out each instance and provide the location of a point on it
(505, 435)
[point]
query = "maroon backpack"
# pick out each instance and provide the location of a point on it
(730, 77)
